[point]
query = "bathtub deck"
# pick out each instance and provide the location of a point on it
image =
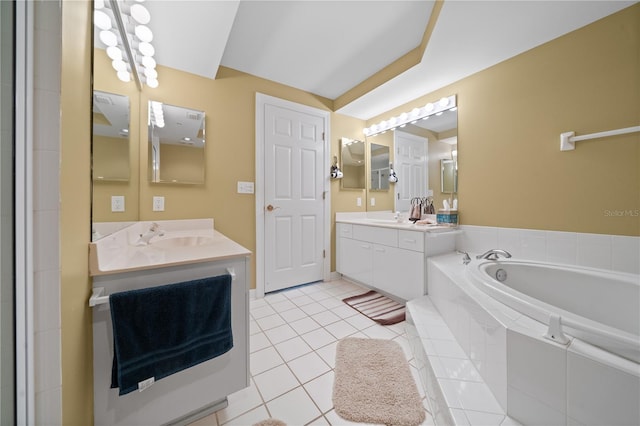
(457, 394)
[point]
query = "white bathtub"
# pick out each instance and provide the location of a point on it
(591, 378)
(599, 307)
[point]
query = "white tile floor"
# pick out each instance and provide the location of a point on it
(294, 334)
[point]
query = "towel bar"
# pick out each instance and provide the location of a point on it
(97, 297)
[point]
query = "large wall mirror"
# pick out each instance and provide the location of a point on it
(379, 167)
(110, 137)
(436, 136)
(353, 164)
(176, 144)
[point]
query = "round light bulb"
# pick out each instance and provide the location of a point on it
(124, 76)
(108, 38)
(101, 20)
(146, 49)
(119, 65)
(140, 14)
(143, 33)
(152, 82)
(148, 62)
(114, 53)
(429, 107)
(151, 73)
(98, 4)
(444, 102)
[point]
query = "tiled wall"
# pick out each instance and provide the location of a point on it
(46, 256)
(619, 253)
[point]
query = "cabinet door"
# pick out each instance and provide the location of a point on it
(398, 272)
(356, 260)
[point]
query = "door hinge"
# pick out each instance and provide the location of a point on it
(398, 195)
(324, 254)
(324, 195)
(322, 135)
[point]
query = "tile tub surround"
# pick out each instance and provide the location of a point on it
(543, 382)
(615, 252)
(456, 393)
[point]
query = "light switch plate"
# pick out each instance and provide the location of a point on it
(429, 192)
(245, 187)
(373, 201)
(158, 204)
(117, 203)
(359, 201)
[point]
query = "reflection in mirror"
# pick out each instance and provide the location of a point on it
(441, 133)
(110, 137)
(379, 167)
(353, 164)
(176, 144)
(448, 176)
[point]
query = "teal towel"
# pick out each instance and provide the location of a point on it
(159, 331)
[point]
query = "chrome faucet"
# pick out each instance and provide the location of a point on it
(154, 230)
(493, 254)
(465, 259)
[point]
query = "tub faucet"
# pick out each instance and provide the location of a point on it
(154, 230)
(493, 254)
(465, 259)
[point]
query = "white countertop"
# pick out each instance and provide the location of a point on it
(385, 219)
(117, 252)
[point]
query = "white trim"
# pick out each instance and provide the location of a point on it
(25, 383)
(261, 101)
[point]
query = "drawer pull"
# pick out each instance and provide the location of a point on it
(365, 246)
(409, 240)
(380, 249)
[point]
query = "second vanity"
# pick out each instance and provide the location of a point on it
(178, 251)
(376, 250)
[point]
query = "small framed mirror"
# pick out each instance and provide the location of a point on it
(448, 176)
(176, 144)
(110, 137)
(379, 167)
(353, 164)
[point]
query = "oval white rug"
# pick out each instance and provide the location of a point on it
(373, 384)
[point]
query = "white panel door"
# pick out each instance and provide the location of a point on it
(410, 164)
(294, 206)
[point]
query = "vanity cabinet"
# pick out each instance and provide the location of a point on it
(387, 259)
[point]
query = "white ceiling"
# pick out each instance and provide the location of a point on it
(328, 47)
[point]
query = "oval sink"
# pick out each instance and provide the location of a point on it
(175, 242)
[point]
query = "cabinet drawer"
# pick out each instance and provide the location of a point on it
(411, 240)
(376, 234)
(344, 230)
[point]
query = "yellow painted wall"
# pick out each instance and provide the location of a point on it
(510, 116)
(111, 158)
(181, 163)
(75, 214)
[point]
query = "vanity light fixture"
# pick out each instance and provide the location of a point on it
(430, 109)
(156, 114)
(122, 26)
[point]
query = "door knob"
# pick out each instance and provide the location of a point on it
(271, 208)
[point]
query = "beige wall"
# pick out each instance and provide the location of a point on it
(111, 158)
(510, 116)
(75, 211)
